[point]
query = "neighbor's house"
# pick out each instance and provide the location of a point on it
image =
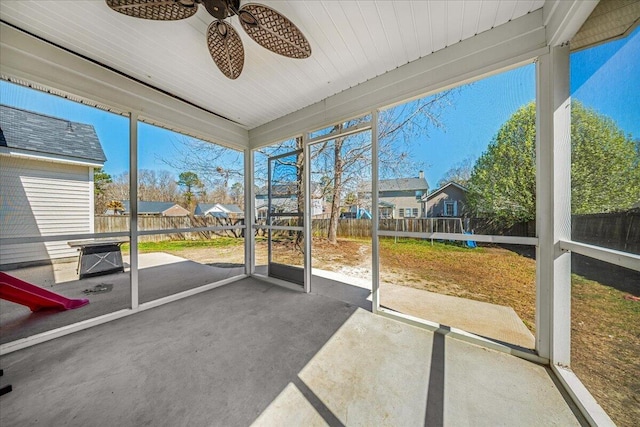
(155, 209)
(284, 198)
(398, 198)
(447, 201)
(46, 170)
(219, 210)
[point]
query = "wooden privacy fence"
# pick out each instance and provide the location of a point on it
(617, 230)
(119, 223)
(613, 230)
(362, 227)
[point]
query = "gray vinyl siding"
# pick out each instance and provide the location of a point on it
(41, 198)
(435, 205)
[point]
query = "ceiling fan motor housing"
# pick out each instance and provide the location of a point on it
(221, 9)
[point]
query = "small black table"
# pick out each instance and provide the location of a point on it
(98, 257)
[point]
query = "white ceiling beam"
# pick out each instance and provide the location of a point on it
(28, 58)
(563, 18)
(507, 45)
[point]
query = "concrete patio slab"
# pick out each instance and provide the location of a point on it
(488, 320)
(253, 352)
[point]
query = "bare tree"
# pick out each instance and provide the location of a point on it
(118, 189)
(399, 129)
(217, 167)
(460, 173)
(157, 186)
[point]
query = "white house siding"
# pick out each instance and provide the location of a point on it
(42, 198)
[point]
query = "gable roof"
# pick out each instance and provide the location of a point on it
(39, 133)
(149, 207)
(396, 184)
(441, 189)
(232, 208)
(201, 208)
(204, 208)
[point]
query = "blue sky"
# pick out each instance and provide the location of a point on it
(477, 112)
(606, 78)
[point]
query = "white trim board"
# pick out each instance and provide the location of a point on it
(46, 157)
(27, 58)
(620, 258)
(512, 44)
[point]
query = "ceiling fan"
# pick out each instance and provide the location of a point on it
(264, 25)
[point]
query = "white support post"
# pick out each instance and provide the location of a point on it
(249, 215)
(92, 201)
(375, 216)
(307, 215)
(133, 207)
(553, 206)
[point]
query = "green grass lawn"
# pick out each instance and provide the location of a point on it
(177, 245)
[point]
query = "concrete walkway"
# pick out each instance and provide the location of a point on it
(488, 320)
(250, 352)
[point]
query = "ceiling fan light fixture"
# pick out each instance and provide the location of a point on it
(247, 18)
(221, 9)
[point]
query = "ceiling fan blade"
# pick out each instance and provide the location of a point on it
(273, 31)
(226, 48)
(158, 10)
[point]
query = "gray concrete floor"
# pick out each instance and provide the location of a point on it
(160, 275)
(163, 274)
(250, 352)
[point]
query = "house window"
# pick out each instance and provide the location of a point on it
(409, 213)
(450, 208)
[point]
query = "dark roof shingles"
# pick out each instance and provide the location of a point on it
(36, 132)
(145, 207)
(398, 184)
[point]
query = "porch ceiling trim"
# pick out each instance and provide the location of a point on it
(563, 19)
(508, 45)
(27, 58)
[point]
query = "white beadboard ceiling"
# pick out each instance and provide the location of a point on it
(352, 42)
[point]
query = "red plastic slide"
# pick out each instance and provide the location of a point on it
(36, 298)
